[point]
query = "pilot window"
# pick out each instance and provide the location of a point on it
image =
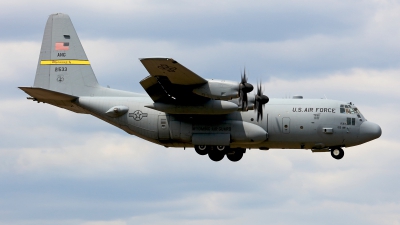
(348, 110)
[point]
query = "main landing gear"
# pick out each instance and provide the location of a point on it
(337, 152)
(201, 149)
(217, 153)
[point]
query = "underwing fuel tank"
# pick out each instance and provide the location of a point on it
(209, 108)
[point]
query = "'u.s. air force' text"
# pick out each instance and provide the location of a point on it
(317, 110)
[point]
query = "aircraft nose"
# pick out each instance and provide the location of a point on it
(369, 131)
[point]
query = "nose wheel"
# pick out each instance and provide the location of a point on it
(337, 153)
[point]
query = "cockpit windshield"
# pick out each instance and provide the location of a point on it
(350, 109)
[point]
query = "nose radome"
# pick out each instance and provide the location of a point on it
(369, 131)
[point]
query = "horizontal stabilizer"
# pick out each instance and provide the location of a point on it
(55, 98)
(42, 94)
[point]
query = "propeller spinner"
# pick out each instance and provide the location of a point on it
(244, 88)
(260, 101)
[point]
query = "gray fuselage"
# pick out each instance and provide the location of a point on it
(287, 123)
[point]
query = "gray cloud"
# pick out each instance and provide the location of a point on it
(233, 21)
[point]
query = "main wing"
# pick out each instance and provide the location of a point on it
(176, 73)
(169, 81)
(177, 90)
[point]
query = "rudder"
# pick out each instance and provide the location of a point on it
(63, 65)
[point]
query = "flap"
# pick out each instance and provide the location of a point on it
(154, 89)
(176, 73)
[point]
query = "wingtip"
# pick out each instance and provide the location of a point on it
(156, 57)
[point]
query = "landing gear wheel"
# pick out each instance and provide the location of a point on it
(221, 147)
(235, 154)
(337, 153)
(216, 155)
(202, 149)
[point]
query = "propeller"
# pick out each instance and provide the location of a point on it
(260, 101)
(244, 88)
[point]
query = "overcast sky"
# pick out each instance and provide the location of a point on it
(57, 167)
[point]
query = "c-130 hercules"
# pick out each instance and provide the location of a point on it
(184, 110)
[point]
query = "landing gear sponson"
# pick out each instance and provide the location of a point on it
(217, 153)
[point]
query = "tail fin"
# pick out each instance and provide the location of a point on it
(63, 65)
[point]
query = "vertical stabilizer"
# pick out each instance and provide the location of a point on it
(63, 65)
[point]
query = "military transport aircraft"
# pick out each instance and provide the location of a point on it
(184, 110)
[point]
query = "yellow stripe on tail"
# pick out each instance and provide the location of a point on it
(65, 62)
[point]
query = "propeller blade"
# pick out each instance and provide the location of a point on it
(260, 101)
(259, 113)
(244, 88)
(245, 102)
(244, 78)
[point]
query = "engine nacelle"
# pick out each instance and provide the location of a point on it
(218, 89)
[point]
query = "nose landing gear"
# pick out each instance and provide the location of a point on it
(337, 153)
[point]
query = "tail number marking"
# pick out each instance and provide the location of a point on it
(61, 69)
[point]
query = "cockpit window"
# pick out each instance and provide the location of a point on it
(347, 109)
(351, 109)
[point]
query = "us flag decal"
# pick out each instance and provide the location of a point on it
(62, 46)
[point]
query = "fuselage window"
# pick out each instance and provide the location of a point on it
(351, 121)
